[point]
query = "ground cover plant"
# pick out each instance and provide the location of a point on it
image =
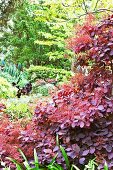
(52, 165)
(17, 77)
(14, 73)
(6, 89)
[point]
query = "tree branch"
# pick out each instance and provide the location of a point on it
(85, 7)
(97, 11)
(96, 4)
(65, 5)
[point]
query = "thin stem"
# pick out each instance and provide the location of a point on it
(97, 11)
(93, 12)
(65, 5)
(96, 4)
(85, 7)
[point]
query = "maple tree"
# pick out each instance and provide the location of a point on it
(95, 43)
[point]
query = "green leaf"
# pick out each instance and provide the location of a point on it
(54, 158)
(74, 167)
(65, 157)
(58, 166)
(36, 159)
(18, 166)
(52, 167)
(57, 140)
(105, 166)
(26, 162)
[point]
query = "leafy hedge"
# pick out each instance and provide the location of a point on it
(41, 72)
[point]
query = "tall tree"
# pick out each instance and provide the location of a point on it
(32, 21)
(7, 7)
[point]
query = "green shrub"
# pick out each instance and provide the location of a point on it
(6, 89)
(14, 74)
(41, 72)
(42, 89)
(18, 110)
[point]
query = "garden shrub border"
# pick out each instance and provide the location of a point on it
(42, 72)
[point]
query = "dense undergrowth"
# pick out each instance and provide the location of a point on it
(80, 115)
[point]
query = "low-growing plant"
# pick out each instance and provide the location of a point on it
(14, 137)
(43, 89)
(18, 110)
(14, 74)
(6, 89)
(105, 166)
(34, 165)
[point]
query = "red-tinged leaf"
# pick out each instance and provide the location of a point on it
(111, 53)
(82, 124)
(106, 50)
(47, 151)
(101, 107)
(108, 110)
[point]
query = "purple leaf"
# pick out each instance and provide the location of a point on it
(73, 125)
(92, 150)
(68, 149)
(76, 148)
(56, 149)
(85, 152)
(81, 160)
(110, 44)
(111, 53)
(100, 107)
(71, 154)
(110, 156)
(81, 124)
(108, 148)
(107, 49)
(81, 135)
(47, 150)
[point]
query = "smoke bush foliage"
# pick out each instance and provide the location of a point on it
(81, 112)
